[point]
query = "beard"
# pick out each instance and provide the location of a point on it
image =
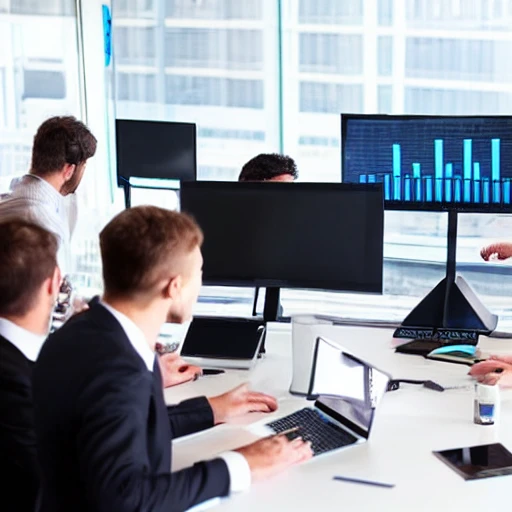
(72, 184)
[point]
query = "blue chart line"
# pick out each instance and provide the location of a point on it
(466, 180)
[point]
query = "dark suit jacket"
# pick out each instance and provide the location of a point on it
(19, 479)
(103, 429)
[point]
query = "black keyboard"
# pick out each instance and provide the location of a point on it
(324, 436)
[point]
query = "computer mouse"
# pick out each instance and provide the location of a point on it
(463, 350)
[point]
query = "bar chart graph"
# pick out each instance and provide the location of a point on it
(464, 161)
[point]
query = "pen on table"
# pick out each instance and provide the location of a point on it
(287, 432)
(212, 371)
(364, 482)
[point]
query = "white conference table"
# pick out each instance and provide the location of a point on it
(411, 422)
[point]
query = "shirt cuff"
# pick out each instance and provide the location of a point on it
(239, 471)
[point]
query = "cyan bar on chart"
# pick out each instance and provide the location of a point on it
(387, 187)
(416, 174)
(428, 188)
(407, 187)
(362, 178)
(477, 182)
(506, 190)
(468, 155)
(371, 178)
(486, 190)
(438, 168)
(397, 171)
(448, 184)
(458, 189)
(495, 170)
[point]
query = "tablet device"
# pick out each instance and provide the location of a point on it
(478, 461)
(223, 342)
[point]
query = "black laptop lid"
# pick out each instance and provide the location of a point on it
(349, 389)
(223, 338)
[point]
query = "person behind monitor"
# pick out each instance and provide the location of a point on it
(269, 167)
(103, 429)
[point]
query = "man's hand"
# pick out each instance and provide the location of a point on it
(272, 455)
(503, 358)
(240, 401)
(176, 371)
(500, 251)
(493, 371)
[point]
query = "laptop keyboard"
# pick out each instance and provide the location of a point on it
(324, 436)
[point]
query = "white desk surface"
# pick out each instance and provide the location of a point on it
(410, 423)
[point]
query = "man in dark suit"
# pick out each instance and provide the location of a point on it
(29, 283)
(103, 430)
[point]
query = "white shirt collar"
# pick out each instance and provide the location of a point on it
(134, 334)
(28, 343)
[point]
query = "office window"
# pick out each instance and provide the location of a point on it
(215, 9)
(136, 87)
(43, 7)
(330, 12)
(385, 98)
(223, 92)
(214, 48)
(325, 98)
(457, 59)
(135, 46)
(143, 8)
(455, 102)
(385, 58)
(385, 12)
(331, 53)
(44, 84)
(38, 75)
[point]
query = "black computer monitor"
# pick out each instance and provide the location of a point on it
(155, 149)
(434, 163)
(325, 236)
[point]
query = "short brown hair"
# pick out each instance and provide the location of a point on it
(142, 245)
(28, 256)
(61, 140)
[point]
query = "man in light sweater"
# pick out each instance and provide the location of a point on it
(45, 196)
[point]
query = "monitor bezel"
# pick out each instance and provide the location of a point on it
(434, 206)
(327, 285)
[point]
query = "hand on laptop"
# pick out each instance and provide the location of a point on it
(272, 455)
(240, 401)
(493, 371)
(176, 371)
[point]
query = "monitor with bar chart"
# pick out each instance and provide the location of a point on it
(431, 162)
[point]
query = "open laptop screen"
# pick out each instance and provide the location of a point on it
(349, 388)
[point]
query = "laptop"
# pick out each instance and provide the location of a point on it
(223, 342)
(348, 392)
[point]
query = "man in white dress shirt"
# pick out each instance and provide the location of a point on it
(45, 196)
(29, 283)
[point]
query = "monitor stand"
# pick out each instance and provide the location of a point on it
(272, 310)
(451, 312)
